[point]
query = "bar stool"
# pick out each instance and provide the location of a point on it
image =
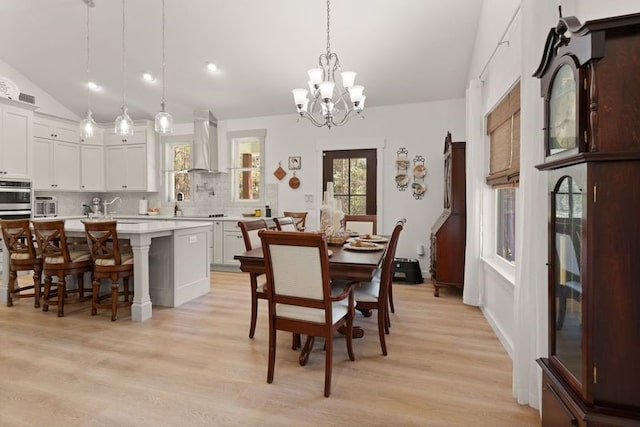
(60, 259)
(22, 257)
(110, 261)
(299, 217)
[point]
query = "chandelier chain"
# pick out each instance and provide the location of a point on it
(163, 59)
(88, 62)
(328, 25)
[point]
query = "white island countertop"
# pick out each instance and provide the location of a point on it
(141, 225)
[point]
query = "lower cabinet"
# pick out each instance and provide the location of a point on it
(233, 243)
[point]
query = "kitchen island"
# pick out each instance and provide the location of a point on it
(171, 262)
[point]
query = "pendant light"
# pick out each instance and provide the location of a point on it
(88, 125)
(124, 124)
(164, 121)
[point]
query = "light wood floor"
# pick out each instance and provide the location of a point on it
(195, 366)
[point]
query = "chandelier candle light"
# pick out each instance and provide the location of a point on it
(124, 124)
(163, 121)
(88, 125)
(332, 104)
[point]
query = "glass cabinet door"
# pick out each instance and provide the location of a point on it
(568, 210)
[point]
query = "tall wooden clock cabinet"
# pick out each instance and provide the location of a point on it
(449, 233)
(590, 82)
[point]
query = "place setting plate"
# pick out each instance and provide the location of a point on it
(373, 239)
(366, 246)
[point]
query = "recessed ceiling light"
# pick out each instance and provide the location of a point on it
(94, 86)
(212, 67)
(148, 78)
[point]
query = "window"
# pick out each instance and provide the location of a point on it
(353, 173)
(247, 149)
(506, 226)
(503, 127)
(178, 160)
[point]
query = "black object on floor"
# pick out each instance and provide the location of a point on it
(407, 270)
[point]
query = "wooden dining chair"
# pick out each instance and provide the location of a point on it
(60, 258)
(299, 217)
(112, 261)
(250, 231)
(285, 223)
(300, 301)
(374, 295)
(361, 224)
(22, 257)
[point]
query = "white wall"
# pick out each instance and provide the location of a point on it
(421, 128)
(44, 101)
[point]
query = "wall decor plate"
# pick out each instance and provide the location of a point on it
(279, 173)
(8, 89)
(294, 182)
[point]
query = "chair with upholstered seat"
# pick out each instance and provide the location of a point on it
(374, 295)
(22, 257)
(110, 261)
(285, 223)
(61, 259)
(250, 231)
(299, 217)
(299, 288)
(361, 224)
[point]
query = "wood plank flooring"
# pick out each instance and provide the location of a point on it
(195, 366)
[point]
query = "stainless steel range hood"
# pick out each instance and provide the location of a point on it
(205, 142)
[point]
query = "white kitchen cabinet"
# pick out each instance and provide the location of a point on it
(132, 167)
(233, 243)
(92, 168)
(96, 139)
(56, 165)
(56, 129)
(218, 243)
(139, 136)
(16, 134)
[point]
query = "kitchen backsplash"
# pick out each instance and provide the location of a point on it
(211, 193)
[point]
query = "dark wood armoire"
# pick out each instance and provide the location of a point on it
(448, 234)
(590, 82)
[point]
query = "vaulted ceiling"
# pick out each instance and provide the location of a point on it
(404, 51)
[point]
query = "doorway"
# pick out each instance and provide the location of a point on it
(353, 173)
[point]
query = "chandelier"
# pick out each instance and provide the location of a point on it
(327, 102)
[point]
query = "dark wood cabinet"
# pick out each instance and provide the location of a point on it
(590, 83)
(448, 234)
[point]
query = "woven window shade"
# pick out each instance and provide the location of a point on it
(503, 128)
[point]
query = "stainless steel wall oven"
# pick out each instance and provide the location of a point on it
(15, 198)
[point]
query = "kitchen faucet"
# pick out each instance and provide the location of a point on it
(105, 203)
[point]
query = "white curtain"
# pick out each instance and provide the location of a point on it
(475, 174)
(530, 299)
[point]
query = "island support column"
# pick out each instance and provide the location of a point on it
(141, 307)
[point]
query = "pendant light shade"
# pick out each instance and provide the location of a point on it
(88, 125)
(164, 121)
(124, 124)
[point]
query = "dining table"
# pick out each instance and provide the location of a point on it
(352, 265)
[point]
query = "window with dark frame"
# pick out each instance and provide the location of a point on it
(353, 173)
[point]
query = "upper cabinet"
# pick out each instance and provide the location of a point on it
(132, 165)
(56, 157)
(16, 133)
(55, 129)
